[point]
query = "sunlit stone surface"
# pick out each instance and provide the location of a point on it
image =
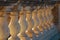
(13, 25)
(30, 22)
(22, 23)
(36, 21)
(27, 23)
(4, 31)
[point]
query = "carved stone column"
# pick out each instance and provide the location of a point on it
(23, 26)
(39, 15)
(4, 31)
(30, 23)
(13, 26)
(36, 21)
(44, 19)
(49, 17)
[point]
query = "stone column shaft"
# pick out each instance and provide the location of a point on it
(13, 26)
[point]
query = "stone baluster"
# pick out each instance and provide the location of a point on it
(4, 31)
(40, 20)
(49, 17)
(13, 26)
(47, 12)
(29, 21)
(49, 22)
(23, 25)
(44, 19)
(36, 22)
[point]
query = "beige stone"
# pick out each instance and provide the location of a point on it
(13, 26)
(22, 23)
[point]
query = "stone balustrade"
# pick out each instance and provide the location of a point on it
(27, 23)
